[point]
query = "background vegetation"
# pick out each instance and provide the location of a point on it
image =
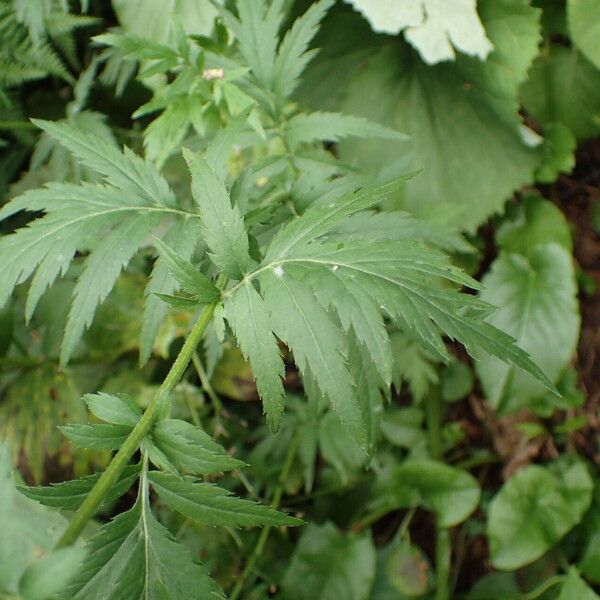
(421, 468)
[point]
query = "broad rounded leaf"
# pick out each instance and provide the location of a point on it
(534, 509)
(462, 116)
(537, 304)
(328, 565)
(434, 28)
(584, 25)
(575, 587)
(452, 494)
(564, 87)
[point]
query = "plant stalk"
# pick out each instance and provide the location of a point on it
(443, 544)
(120, 460)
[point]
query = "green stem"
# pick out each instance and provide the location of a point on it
(120, 460)
(443, 552)
(443, 544)
(264, 534)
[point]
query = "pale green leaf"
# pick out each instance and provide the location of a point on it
(29, 530)
(537, 300)
(462, 117)
(49, 576)
(533, 510)
(212, 505)
(433, 28)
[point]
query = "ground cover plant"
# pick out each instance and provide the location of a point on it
(292, 294)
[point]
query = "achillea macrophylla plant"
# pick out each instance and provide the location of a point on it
(292, 247)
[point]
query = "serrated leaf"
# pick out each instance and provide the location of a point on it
(191, 449)
(49, 576)
(134, 556)
(332, 127)
(533, 510)
(182, 237)
(69, 495)
(99, 436)
(213, 505)
(247, 315)
(433, 28)
(118, 411)
(329, 565)
(319, 346)
(189, 277)
(292, 56)
(558, 153)
(531, 292)
(223, 225)
(102, 268)
(256, 31)
(124, 170)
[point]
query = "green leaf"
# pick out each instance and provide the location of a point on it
(69, 495)
(256, 32)
(119, 411)
(462, 117)
(124, 170)
(332, 127)
(99, 436)
(191, 449)
(29, 530)
(583, 17)
(247, 315)
(530, 293)
(534, 222)
(223, 226)
(212, 505)
(452, 494)
(575, 587)
(182, 238)
(134, 556)
(563, 87)
(433, 29)
(152, 19)
(292, 56)
(319, 346)
(558, 153)
(189, 277)
(533, 510)
(328, 565)
(47, 577)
